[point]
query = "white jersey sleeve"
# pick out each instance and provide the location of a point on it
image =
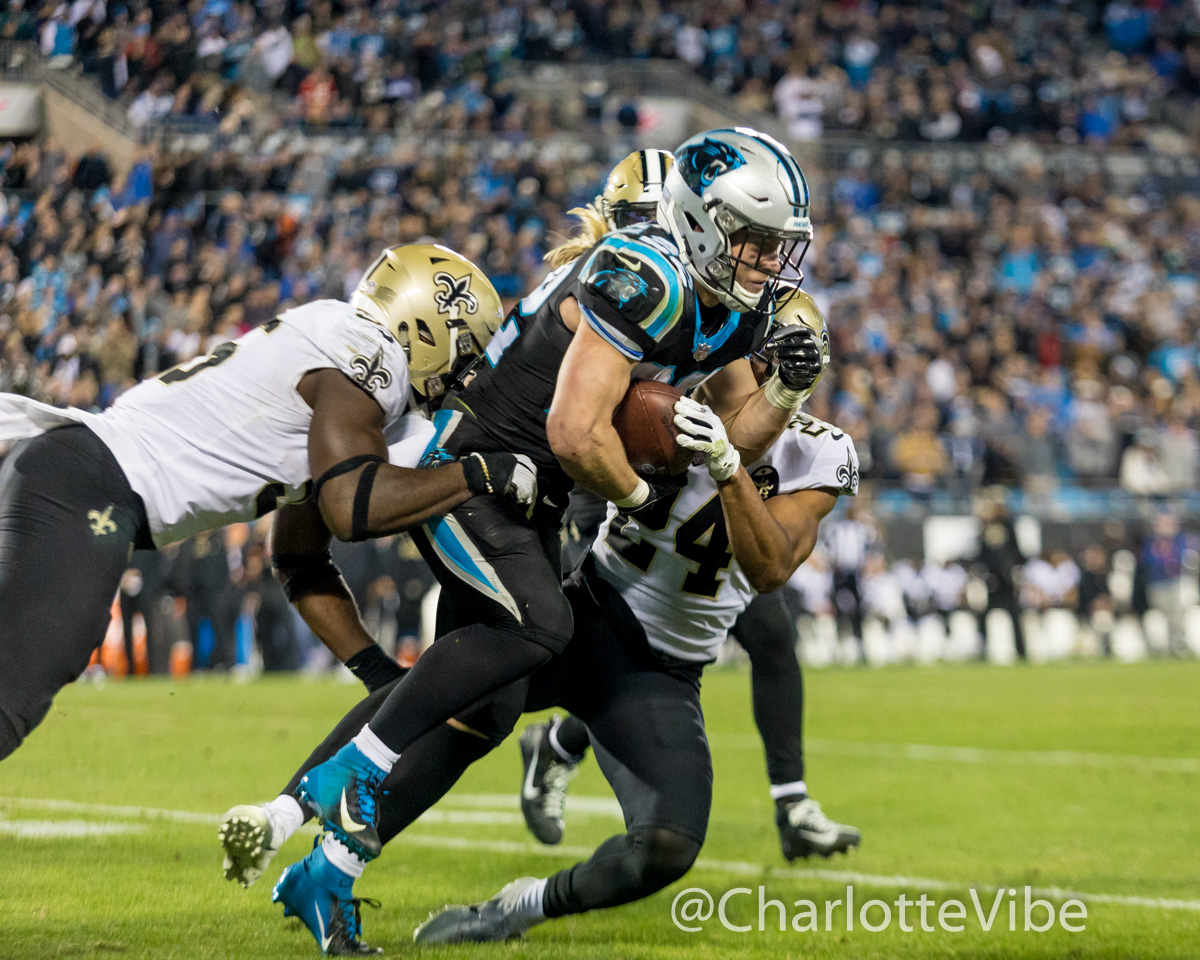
(224, 438)
(810, 455)
(675, 567)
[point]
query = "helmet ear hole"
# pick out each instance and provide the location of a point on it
(693, 223)
(425, 334)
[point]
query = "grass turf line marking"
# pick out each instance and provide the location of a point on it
(975, 755)
(733, 867)
(69, 829)
(486, 817)
(741, 868)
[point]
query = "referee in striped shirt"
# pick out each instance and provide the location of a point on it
(848, 539)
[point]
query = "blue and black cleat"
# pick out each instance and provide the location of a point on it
(344, 792)
(321, 896)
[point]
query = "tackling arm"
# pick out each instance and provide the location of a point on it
(592, 381)
(771, 538)
(347, 423)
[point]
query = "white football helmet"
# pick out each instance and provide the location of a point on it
(732, 190)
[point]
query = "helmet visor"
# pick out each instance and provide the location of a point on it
(628, 214)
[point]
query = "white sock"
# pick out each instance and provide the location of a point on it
(781, 790)
(286, 816)
(374, 749)
(340, 857)
(558, 747)
(529, 905)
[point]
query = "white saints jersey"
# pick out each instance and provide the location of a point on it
(673, 563)
(224, 438)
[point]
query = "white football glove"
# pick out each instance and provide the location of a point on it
(702, 430)
(523, 485)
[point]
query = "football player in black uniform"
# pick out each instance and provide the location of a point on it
(551, 750)
(683, 299)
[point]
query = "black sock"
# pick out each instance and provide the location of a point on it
(571, 735)
(374, 667)
(462, 668)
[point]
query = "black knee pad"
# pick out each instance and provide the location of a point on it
(662, 856)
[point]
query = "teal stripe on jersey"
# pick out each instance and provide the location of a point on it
(664, 321)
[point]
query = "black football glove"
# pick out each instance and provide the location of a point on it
(508, 474)
(662, 489)
(797, 352)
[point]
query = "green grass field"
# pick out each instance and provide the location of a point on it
(1082, 777)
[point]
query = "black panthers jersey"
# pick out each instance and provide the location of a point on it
(635, 292)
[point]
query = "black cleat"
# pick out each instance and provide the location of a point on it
(804, 830)
(544, 788)
(487, 922)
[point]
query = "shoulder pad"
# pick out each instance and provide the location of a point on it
(634, 285)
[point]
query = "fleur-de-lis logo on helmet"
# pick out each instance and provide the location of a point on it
(454, 295)
(371, 374)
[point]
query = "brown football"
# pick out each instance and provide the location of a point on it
(645, 421)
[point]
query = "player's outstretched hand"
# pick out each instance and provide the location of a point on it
(509, 474)
(702, 430)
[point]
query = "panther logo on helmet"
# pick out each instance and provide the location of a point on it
(707, 160)
(454, 295)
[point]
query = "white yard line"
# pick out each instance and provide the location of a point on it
(746, 869)
(975, 755)
(732, 867)
(71, 829)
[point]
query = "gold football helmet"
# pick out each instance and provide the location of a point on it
(437, 303)
(634, 187)
(800, 307)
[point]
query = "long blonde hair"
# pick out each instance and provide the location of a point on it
(592, 229)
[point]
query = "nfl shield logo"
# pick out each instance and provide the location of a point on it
(702, 351)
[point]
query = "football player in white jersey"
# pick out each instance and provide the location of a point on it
(295, 415)
(651, 609)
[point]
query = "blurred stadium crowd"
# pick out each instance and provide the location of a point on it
(1024, 326)
(1028, 328)
(1065, 72)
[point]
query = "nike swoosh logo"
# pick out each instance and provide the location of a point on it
(349, 824)
(529, 791)
(634, 265)
(325, 940)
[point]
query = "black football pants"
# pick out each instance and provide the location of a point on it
(68, 524)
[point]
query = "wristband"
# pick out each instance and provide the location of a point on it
(475, 470)
(782, 397)
(639, 495)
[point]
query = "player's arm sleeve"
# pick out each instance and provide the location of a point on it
(832, 466)
(372, 359)
(630, 294)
